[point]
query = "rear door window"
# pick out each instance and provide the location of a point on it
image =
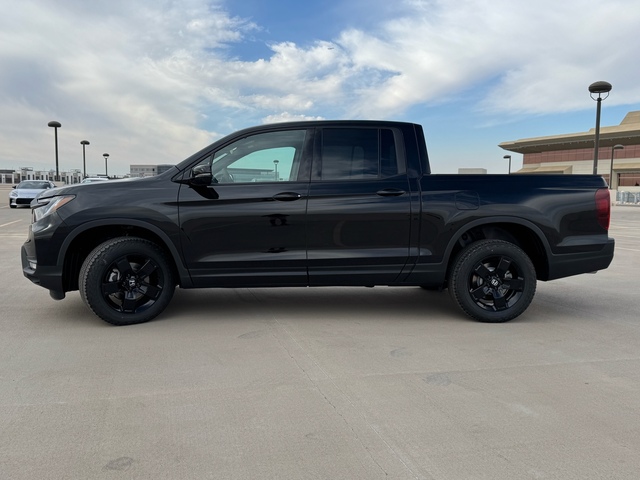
(358, 154)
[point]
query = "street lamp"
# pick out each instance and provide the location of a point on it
(56, 126)
(509, 157)
(84, 158)
(275, 162)
(613, 149)
(598, 88)
(106, 171)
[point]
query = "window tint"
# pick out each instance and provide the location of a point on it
(265, 165)
(388, 156)
(266, 157)
(358, 154)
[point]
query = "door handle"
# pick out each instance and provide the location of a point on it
(390, 192)
(287, 196)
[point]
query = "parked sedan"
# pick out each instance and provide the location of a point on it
(25, 192)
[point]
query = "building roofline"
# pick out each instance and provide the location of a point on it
(627, 133)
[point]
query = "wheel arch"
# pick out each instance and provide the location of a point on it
(84, 239)
(526, 235)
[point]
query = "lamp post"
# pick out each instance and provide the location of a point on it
(598, 88)
(275, 162)
(613, 149)
(106, 171)
(509, 157)
(84, 158)
(56, 126)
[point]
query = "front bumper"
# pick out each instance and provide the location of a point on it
(20, 201)
(49, 277)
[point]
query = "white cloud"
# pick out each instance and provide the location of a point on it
(539, 57)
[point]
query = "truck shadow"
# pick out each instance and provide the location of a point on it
(321, 304)
(312, 303)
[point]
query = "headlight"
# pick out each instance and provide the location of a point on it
(13, 194)
(46, 206)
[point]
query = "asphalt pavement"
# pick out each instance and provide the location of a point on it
(326, 383)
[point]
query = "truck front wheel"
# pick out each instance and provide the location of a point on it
(126, 280)
(492, 281)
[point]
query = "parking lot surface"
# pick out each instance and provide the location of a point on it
(326, 383)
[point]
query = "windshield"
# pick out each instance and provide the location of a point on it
(35, 185)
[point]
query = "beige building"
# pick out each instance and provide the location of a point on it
(573, 153)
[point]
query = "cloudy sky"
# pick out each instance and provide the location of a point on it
(152, 81)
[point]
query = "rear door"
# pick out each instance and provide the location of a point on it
(247, 227)
(359, 207)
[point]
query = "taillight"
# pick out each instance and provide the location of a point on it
(603, 207)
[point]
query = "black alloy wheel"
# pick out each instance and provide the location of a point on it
(492, 281)
(127, 280)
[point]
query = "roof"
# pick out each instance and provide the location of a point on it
(627, 133)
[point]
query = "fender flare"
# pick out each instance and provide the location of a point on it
(183, 273)
(494, 220)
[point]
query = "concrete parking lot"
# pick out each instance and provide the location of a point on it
(328, 383)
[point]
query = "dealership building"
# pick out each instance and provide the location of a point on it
(619, 153)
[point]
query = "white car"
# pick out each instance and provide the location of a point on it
(95, 180)
(26, 191)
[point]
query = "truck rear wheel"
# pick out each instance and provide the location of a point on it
(492, 281)
(126, 280)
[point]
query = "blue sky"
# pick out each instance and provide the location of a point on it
(154, 81)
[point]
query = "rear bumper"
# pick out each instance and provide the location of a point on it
(568, 264)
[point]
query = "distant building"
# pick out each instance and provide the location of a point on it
(8, 176)
(472, 171)
(572, 153)
(163, 168)
(73, 176)
(137, 171)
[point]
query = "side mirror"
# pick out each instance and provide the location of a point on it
(201, 176)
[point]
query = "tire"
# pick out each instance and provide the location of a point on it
(127, 280)
(492, 281)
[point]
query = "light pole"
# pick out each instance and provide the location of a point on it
(275, 162)
(509, 157)
(598, 88)
(613, 149)
(106, 171)
(56, 126)
(84, 158)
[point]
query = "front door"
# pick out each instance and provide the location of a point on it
(247, 227)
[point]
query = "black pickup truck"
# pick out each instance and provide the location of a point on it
(317, 204)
